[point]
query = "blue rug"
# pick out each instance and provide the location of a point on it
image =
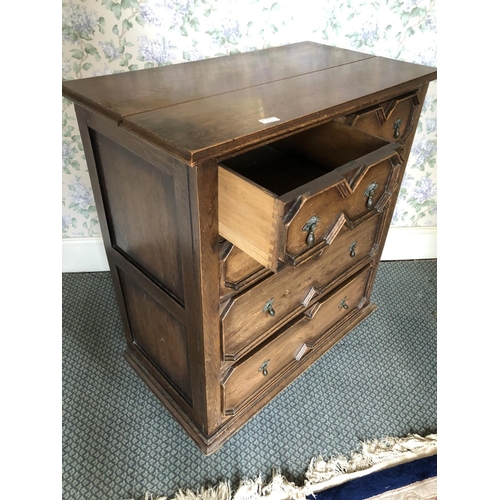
(385, 469)
(384, 481)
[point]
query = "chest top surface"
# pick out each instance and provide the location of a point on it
(202, 109)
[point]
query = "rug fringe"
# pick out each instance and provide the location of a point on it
(376, 454)
(278, 488)
(220, 492)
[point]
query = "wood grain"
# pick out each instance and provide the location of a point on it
(245, 324)
(252, 228)
(247, 377)
(212, 126)
(379, 120)
(142, 212)
(237, 270)
(202, 291)
(135, 92)
(159, 335)
(157, 143)
(329, 146)
(312, 173)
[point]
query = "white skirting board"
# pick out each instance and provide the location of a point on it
(410, 243)
(85, 255)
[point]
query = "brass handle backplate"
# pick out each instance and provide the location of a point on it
(268, 307)
(370, 191)
(343, 303)
(396, 126)
(310, 227)
(263, 368)
(352, 249)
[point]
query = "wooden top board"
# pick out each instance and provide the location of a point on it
(208, 108)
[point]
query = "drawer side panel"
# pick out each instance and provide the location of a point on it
(247, 217)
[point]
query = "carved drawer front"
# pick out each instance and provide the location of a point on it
(237, 269)
(392, 120)
(285, 201)
(292, 345)
(255, 314)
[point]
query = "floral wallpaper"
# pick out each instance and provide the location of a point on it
(108, 36)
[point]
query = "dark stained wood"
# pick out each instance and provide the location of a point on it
(142, 212)
(268, 195)
(292, 346)
(166, 167)
(273, 170)
(329, 146)
(208, 127)
(204, 291)
(237, 269)
(83, 117)
(191, 304)
(350, 204)
(333, 335)
(138, 91)
(408, 141)
(244, 322)
(380, 120)
(159, 335)
(149, 286)
(157, 384)
(147, 151)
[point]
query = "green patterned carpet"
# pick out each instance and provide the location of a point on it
(119, 441)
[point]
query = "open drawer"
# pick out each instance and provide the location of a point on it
(286, 200)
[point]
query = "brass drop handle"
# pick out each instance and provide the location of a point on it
(268, 307)
(370, 191)
(396, 126)
(310, 227)
(352, 248)
(263, 368)
(343, 303)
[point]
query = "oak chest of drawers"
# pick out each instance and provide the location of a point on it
(244, 203)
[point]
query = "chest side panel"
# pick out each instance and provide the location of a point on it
(141, 211)
(161, 336)
(154, 227)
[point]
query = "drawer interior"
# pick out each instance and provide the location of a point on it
(296, 177)
(289, 163)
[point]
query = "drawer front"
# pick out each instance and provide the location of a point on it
(237, 269)
(392, 120)
(281, 202)
(293, 345)
(315, 221)
(255, 314)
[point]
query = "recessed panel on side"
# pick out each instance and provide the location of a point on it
(160, 336)
(141, 209)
